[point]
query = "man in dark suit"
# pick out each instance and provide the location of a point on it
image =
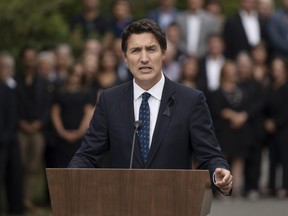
(10, 160)
(175, 120)
(243, 30)
(8, 149)
(211, 64)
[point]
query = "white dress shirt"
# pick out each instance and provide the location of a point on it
(251, 26)
(193, 30)
(213, 70)
(154, 102)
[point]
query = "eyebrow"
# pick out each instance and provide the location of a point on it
(153, 46)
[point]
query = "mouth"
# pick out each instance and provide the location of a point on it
(145, 69)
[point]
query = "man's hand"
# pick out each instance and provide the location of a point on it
(223, 180)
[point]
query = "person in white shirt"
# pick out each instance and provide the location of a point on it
(211, 64)
(196, 25)
(243, 30)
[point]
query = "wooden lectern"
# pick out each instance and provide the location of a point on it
(134, 192)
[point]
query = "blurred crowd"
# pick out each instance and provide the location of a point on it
(240, 62)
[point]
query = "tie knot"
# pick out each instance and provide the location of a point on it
(145, 96)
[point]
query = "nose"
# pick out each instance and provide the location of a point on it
(144, 57)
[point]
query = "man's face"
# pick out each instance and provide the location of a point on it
(5, 69)
(144, 58)
(167, 3)
(29, 58)
(215, 46)
(248, 4)
(90, 4)
(194, 4)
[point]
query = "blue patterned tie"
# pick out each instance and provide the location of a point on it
(144, 131)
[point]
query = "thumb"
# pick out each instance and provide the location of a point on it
(218, 174)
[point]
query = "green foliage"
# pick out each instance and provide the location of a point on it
(44, 23)
(35, 22)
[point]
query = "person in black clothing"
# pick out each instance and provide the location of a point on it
(71, 113)
(229, 110)
(242, 30)
(8, 120)
(276, 124)
(10, 160)
(255, 96)
(91, 23)
(33, 101)
(121, 17)
(107, 76)
(123, 72)
(190, 73)
(211, 64)
(259, 56)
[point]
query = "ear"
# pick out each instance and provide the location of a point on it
(125, 57)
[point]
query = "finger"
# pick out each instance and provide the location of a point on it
(218, 172)
(230, 179)
(226, 188)
(224, 183)
(227, 175)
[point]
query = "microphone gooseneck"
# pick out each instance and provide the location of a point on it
(137, 125)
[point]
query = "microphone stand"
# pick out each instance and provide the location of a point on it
(137, 125)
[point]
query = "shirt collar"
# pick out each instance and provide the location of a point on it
(244, 13)
(219, 58)
(155, 91)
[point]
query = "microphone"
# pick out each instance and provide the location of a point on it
(137, 125)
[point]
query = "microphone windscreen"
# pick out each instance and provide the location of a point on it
(137, 124)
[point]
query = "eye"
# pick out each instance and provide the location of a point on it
(152, 49)
(135, 51)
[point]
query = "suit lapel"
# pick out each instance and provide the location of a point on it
(242, 29)
(166, 109)
(127, 112)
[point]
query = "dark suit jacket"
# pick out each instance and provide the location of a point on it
(183, 127)
(235, 37)
(203, 79)
(8, 115)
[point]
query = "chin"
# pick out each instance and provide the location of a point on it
(146, 76)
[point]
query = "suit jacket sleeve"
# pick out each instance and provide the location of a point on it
(95, 142)
(277, 33)
(204, 143)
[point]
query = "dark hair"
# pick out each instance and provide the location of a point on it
(71, 71)
(102, 55)
(226, 64)
(24, 49)
(144, 26)
(116, 2)
(215, 35)
(283, 60)
(217, 2)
